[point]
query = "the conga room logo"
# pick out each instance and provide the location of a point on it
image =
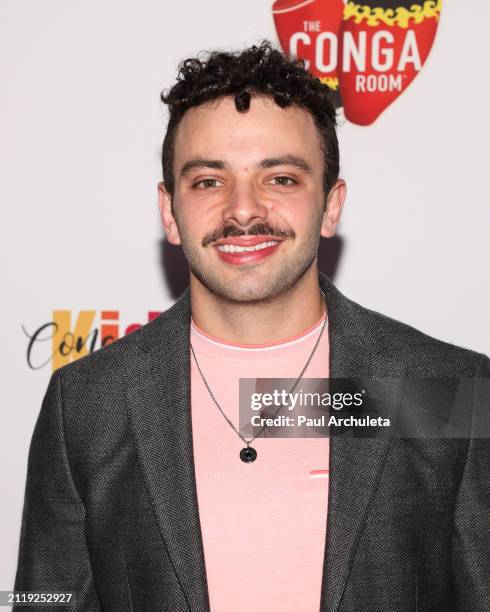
(368, 52)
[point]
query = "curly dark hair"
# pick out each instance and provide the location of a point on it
(259, 69)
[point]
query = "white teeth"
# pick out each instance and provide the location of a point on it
(233, 248)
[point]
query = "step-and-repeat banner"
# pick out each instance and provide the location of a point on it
(82, 125)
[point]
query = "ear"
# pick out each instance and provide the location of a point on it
(335, 202)
(167, 216)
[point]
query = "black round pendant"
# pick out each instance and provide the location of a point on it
(248, 454)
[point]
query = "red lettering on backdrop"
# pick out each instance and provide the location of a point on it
(366, 53)
(309, 30)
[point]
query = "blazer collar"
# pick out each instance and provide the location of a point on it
(159, 397)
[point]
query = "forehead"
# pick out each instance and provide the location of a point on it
(216, 130)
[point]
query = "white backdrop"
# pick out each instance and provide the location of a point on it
(81, 126)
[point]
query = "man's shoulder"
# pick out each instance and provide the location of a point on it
(110, 362)
(421, 351)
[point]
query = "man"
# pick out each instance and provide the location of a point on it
(143, 493)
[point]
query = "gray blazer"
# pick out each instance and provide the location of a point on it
(110, 507)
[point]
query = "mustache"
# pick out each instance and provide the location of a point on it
(259, 229)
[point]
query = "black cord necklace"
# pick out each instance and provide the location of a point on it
(249, 454)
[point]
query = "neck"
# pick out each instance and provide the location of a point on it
(284, 316)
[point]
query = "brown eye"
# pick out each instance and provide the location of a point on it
(206, 184)
(284, 181)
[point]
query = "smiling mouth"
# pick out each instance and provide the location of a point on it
(235, 248)
(246, 249)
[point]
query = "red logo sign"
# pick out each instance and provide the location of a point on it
(366, 53)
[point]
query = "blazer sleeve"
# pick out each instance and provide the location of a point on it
(471, 535)
(53, 555)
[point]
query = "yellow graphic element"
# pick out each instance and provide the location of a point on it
(70, 345)
(331, 82)
(400, 16)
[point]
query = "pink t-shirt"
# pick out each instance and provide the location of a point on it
(263, 523)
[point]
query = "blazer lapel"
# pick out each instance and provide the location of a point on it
(355, 463)
(159, 400)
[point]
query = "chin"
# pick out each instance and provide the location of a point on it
(254, 295)
(245, 292)
(247, 289)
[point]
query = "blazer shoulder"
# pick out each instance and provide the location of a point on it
(423, 352)
(107, 363)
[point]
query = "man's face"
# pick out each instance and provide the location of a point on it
(249, 201)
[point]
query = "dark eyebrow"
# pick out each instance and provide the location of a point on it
(285, 160)
(269, 162)
(198, 163)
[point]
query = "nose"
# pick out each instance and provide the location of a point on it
(244, 207)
